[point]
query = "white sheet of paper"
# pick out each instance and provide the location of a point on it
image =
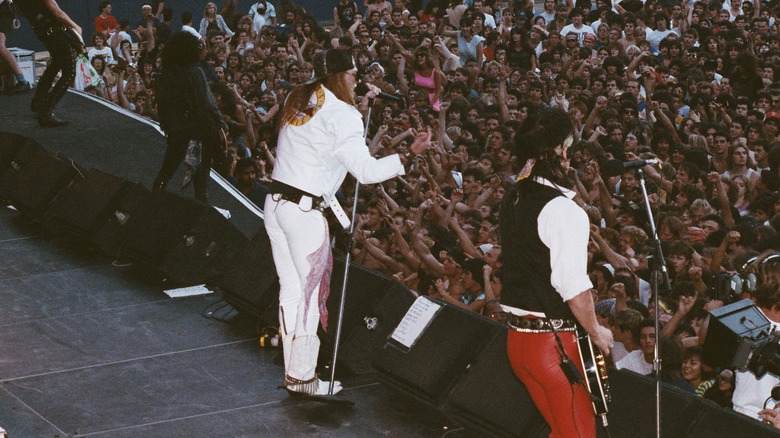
(223, 212)
(188, 291)
(417, 318)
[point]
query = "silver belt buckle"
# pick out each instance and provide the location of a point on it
(556, 323)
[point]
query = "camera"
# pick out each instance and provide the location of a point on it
(739, 336)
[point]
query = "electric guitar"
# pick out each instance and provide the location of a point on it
(223, 142)
(596, 379)
(76, 40)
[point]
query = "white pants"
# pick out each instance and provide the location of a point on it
(300, 243)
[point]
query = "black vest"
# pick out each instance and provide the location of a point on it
(526, 273)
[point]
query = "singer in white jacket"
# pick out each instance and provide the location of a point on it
(320, 140)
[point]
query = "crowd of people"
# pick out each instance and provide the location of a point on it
(688, 86)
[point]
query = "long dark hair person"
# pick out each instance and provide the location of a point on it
(181, 53)
(182, 50)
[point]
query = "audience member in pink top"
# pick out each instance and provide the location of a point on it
(428, 77)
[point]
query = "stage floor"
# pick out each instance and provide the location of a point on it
(92, 349)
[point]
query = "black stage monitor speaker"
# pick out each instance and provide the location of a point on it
(251, 285)
(10, 145)
(451, 343)
(113, 234)
(632, 411)
(491, 401)
(371, 322)
(365, 287)
(189, 241)
(34, 178)
(86, 206)
(717, 421)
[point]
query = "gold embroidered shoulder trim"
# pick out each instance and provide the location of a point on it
(311, 110)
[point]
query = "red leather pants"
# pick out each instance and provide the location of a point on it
(535, 361)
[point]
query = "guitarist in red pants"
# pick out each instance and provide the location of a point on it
(546, 290)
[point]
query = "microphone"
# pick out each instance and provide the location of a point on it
(638, 164)
(392, 97)
(361, 89)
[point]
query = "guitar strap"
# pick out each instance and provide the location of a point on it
(568, 367)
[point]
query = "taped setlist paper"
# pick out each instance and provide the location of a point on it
(188, 291)
(414, 323)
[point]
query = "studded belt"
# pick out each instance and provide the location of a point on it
(539, 325)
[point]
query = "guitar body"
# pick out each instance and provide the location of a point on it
(216, 139)
(595, 366)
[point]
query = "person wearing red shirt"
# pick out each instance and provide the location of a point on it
(105, 22)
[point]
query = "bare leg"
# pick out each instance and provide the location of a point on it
(7, 57)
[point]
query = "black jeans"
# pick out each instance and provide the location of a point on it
(62, 59)
(174, 154)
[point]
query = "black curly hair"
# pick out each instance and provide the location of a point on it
(553, 128)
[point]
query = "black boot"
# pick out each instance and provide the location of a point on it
(47, 119)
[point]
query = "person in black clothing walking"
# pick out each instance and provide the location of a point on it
(188, 111)
(62, 38)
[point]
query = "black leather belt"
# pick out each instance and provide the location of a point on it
(539, 325)
(296, 195)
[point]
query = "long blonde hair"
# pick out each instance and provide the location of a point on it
(298, 100)
(697, 141)
(206, 10)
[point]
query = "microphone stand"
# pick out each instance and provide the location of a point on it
(347, 261)
(658, 264)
